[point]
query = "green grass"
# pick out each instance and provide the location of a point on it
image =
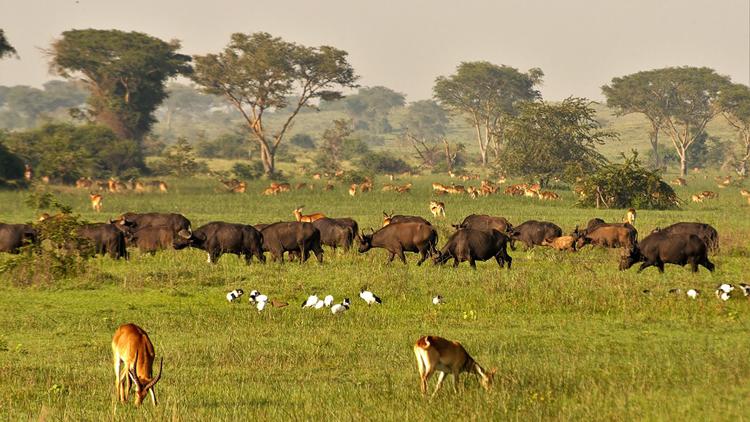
(573, 338)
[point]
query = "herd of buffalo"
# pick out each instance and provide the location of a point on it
(477, 238)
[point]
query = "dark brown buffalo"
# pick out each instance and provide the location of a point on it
(104, 238)
(609, 236)
(134, 221)
(349, 222)
(662, 248)
(217, 238)
(151, 239)
(475, 245)
(534, 232)
(334, 234)
(485, 223)
(294, 236)
(705, 231)
(393, 219)
(398, 238)
(14, 236)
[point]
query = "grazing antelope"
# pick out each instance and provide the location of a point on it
(96, 201)
(84, 183)
(316, 176)
(549, 195)
(438, 354)
(696, 198)
(630, 216)
(329, 186)
(307, 218)
(131, 346)
(388, 187)
(437, 208)
(353, 189)
(679, 181)
(439, 187)
(745, 193)
(403, 188)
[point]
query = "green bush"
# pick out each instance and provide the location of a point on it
(253, 170)
(382, 162)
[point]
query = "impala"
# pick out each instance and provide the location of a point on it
(306, 218)
(96, 201)
(437, 208)
(131, 346)
(438, 354)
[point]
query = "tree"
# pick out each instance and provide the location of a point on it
(5, 48)
(125, 72)
(329, 156)
(179, 160)
(682, 101)
(424, 126)
(734, 103)
(258, 73)
(25, 104)
(487, 94)
(370, 106)
(547, 139)
(11, 165)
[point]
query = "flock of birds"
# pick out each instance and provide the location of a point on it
(313, 301)
(723, 291)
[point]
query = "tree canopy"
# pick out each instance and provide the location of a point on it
(5, 48)
(370, 106)
(487, 94)
(734, 102)
(125, 73)
(548, 139)
(257, 73)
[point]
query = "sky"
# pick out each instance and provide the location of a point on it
(404, 45)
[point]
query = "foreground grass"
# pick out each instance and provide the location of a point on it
(572, 337)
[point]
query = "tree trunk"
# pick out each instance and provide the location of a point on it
(655, 147)
(482, 147)
(267, 156)
(683, 162)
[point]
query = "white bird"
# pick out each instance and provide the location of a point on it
(693, 293)
(260, 305)
(341, 307)
(745, 289)
(310, 302)
(320, 304)
(437, 300)
(328, 301)
(723, 295)
(726, 288)
(369, 297)
(260, 298)
(234, 294)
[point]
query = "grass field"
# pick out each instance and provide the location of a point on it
(571, 336)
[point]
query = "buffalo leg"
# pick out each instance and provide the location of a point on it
(708, 264)
(693, 265)
(319, 255)
(391, 255)
(402, 256)
(424, 253)
(472, 262)
(645, 265)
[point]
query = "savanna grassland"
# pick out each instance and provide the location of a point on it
(572, 337)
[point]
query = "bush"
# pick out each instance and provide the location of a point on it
(179, 160)
(229, 146)
(382, 162)
(303, 140)
(626, 185)
(253, 170)
(11, 165)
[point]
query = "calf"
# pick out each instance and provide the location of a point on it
(292, 237)
(534, 232)
(334, 234)
(475, 245)
(562, 243)
(217, 238)
(661, 248)
(398, 238)
(15, 236)
(104, 238)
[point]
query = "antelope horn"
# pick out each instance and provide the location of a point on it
(134, 371)
(158, 377)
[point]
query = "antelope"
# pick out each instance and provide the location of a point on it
(28, 173)
(403, 188)
(745, 193)
(131, 346)
(549, 195)
(306, 218)
(329, 186)
(96, 201)
(437, 208)
(696, 198)
(388, 187)
(679, 181)
(353, 189)
(438, 354)
(439, 187)
(84, 183)
(630, 216)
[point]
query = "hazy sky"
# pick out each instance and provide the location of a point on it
(579, 44)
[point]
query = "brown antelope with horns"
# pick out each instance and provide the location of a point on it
(131, 346)
(307, 218)
(438, 354)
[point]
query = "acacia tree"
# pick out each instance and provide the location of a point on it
(734, 102)
(370, 106)
(548, 139)
(258, 73)
(487, 94)
(424, 126)
(5, 48)
(125, 72)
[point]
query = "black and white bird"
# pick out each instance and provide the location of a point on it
(724, 291)
(745, 289)
(438, 300)
(675, 291)
(369, 297)
(260, 305)
(341, 307)
(256, 297)
(693, 293)
(310, 302)
(234, 295)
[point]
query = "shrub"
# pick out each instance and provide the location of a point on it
(382, 162)
(302, 140)
(626, 185)
(253, 170)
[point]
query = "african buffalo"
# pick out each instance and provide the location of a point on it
(398, 238)
(151, 239)
(705, 231)
(292, 237)
(104, 238)
(217, 238)
(485, 223)
(135, 221)
(619, 235)
(661, 248)
(334, 234)
(534, 232)
(475, 245)
(349, 222)
(393, 219)
(14, 236)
